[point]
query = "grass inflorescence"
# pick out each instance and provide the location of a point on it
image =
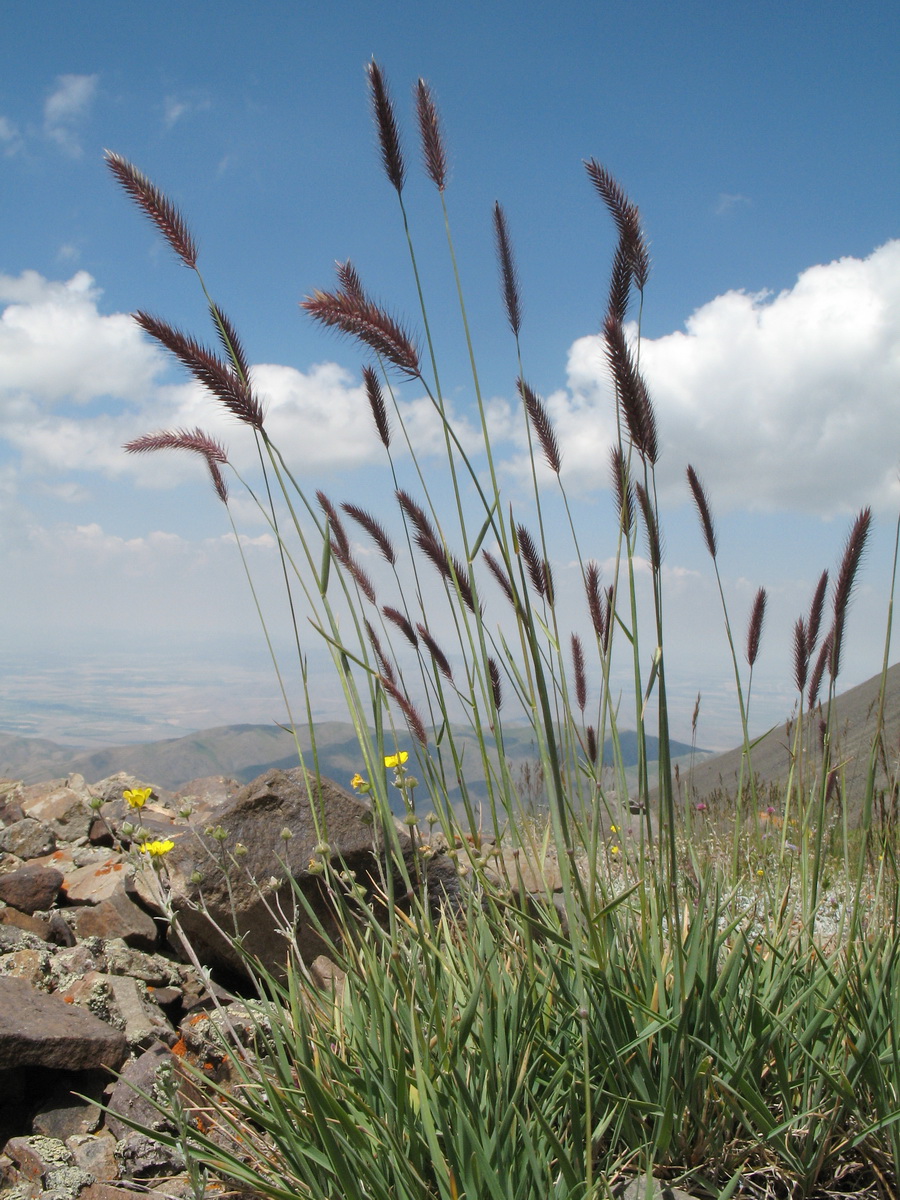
(702, 989)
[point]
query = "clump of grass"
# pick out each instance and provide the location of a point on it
(677, 1008)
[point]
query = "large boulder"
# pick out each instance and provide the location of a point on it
(255, 894)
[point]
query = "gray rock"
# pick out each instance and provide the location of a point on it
(43, 1031)
(142, 1078)
(28, 838)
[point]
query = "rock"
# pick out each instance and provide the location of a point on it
(40, 1030)
(50, 1161)
(97, 881)
(64, 1114)
(39, 926)
(27, 838)
(62, 809)
(140, 1157)
(142, 1078)
(122, 1003)
(31, 888)
(257, 885)
(116, 917)
(96, 1154)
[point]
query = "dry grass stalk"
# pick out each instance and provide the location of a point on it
(161, 211)
(235, 393)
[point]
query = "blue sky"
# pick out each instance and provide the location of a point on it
(760, 141)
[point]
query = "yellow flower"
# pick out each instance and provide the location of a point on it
(396, 760)
(357, 781)
(157, 849)
(613, 829)
(760, 871)
(137, 797)
(614, 849)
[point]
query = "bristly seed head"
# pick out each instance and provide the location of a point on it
(374, 529)
(375, 397)
(843, 588)
(704, 511)
(509, 275)
(161, 211)
(360, 318)
(631, 392)
(196, 441)
(339, 537)
(388, 133)
(578, 667)
(541, 424)
(755, 626)
(595, 600)
(627, 219)
(228, 387)
(434, 154)
(397, 618)
(435, 651)
(496, 686)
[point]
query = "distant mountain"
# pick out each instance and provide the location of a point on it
(854, 716)
(244, 751)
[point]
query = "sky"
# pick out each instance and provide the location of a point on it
(760, 141)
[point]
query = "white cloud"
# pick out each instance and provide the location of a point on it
(66, 107)
(781, 402)
(10, 140)
(75, 384)
(176, 107)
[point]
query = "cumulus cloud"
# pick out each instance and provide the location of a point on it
(65, 109)
(784, 401)
(75, 384)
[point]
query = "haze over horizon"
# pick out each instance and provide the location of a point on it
(756, 141)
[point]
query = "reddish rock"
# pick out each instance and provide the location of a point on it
(116, 917)
(31, 889)
(43, 1031)
(39, 926)
(97, 881)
